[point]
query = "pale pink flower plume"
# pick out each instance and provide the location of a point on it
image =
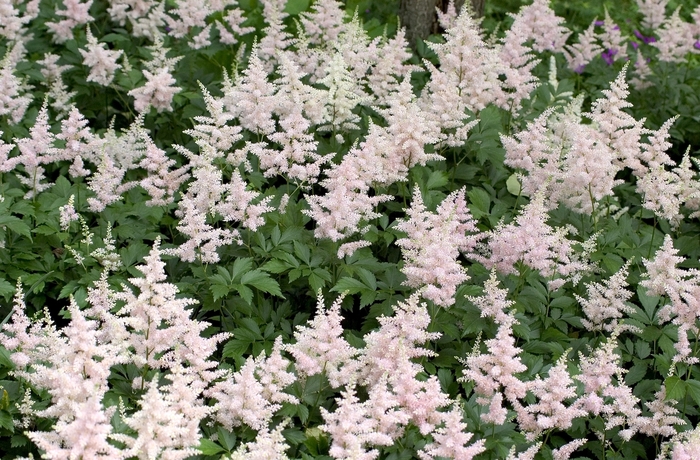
(682, 286)
(581, 53)
(13, 101)
(158, 91)
(75, 13)
(351, 429)
(494, 372)
(102, 61)
(268, 445)
(450, 439)
(554, 408)
(654, 12)
(676, 39)
(320, 347)
(254, 393)
(607, 301)
(433, 243)
(565, 451)
(546, 29)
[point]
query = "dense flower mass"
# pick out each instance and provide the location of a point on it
(504, 222)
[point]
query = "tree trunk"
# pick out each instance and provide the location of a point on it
(420, 19)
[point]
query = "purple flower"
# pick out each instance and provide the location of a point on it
(649, 39)
(580, 68)
(696, 45)
(635, 45)
(608, 56)
(600, 23)
(638, 34)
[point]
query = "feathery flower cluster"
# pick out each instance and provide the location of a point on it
(467, 80)
(607, 301)
(320, 347)
(158, 91)
(102, 61)
(75, 13)
(551, 410)
(13, 103)
(676, 39)
(581, 53)
(654, 12)
(254, 393)
(533, 242)
(682, 286)
(152, 331)
(493, 374)
(433, 244)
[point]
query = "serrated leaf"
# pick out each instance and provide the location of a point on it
(367, 277)
(245, 292)
(246, 335)
(219, 291)
(648, 302)
(636, 373)
(675, 388)
(6, 421)
(262, 281)
(15, 224)
(302, 412)
(480, 202)
(209, 447)
(351, 285)
(6, 288)
(275, 266)
(19, 440)
(240, 267)
(302, 252)
(294, 436)
(436, 180)
(234, 348)
(693, 389)
(275, 235)
(226, 438)
(252, 326)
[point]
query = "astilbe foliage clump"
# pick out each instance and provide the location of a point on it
(272, 230)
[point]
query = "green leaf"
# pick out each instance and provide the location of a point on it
(6, 288)
(226, 438)
(480, 202)
(294, 436)
(351, 285)
(6, 421)
(262, 281)
(275, 266)
(296, 6)
(252, 326)
(648, 302)
(219, 291)
(15, 224)
(436, 180)
(675, 388)
(636, 373)
(302, 252)
(241, 266)
(235, 348)
(513, 185)
(245, 292)
(208, 447)
(693, 388)
(109, 38)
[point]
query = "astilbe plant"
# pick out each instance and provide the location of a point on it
(300, 168)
